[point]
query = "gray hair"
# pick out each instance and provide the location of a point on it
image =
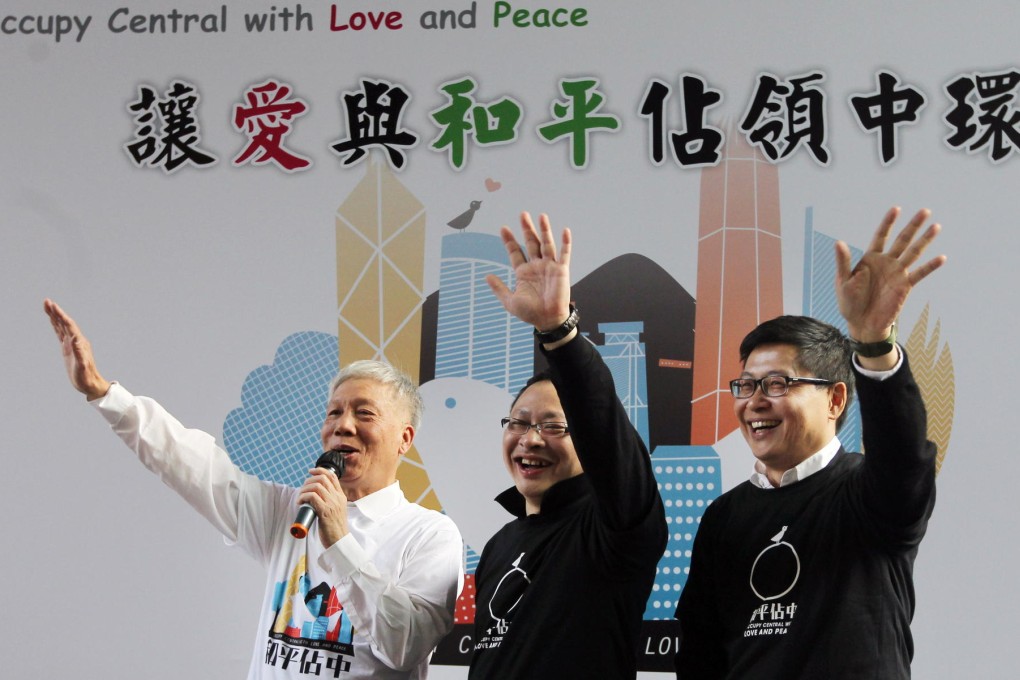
(404, 388)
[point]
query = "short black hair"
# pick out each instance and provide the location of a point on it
(538, 377)
(822, 349)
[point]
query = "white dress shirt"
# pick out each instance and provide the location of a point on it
(373, 605)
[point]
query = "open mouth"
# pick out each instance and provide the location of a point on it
(762, 425)
(529, 464)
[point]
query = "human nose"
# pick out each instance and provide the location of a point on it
(343, 424)
(758, 397)
(532, 437)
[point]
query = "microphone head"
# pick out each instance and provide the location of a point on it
(333, 460)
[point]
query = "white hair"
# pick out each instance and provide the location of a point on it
(381, 372)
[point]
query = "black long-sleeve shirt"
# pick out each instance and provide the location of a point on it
(815, 579)
(561, 594)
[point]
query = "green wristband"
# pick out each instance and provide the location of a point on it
(871, 350)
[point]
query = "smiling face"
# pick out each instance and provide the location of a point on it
(535, 462)
(365, 420)
(784, 431)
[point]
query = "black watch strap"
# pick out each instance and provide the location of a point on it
(875, 349)
(561, 331)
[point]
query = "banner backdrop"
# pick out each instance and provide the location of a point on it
(235, 198)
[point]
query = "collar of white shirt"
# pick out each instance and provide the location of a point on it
(378, 504)
(807, 467)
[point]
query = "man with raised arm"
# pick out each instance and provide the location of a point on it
(371, 589)
(805, 572)
(562, 588)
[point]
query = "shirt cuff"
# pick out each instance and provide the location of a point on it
(113, 404)
(880, 375)
(343, 558)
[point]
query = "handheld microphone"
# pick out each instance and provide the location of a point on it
(331, 460)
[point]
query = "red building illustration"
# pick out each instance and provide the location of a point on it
(740, 277)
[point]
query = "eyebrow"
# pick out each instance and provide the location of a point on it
(546, 415)
(785, 373)
(357, 401)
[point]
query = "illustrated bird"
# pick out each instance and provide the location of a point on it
(462, 220)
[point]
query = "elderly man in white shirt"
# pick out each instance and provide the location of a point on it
(371, 589)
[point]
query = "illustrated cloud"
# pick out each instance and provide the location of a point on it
(460, 443)
(274, 434)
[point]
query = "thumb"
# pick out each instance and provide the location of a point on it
(499, 289)
(842, 262)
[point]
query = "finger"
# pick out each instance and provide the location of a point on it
(58, 327)
(314, 487)
(329, 476)
(548, 242)
(884, 228)
(926, 268)
(310, 498)
(56, 316)
(82, 350)
(916, 249)
(68, 324)
(513, 248)
(906, 237)
(72, 341)
(565, 248)
(531, 242)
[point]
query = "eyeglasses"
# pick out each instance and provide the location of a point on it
(771, 385)
(520, 427)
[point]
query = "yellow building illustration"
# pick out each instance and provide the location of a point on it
(380, 264)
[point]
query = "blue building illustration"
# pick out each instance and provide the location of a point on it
(820, 303)
(475, 337)
(624, 353)
(689, 478)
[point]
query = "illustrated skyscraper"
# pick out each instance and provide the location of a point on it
(380, 246)
(380, 243)
(632, 288)
(475, 337)
(690, 478)
(624, 354)
(740, 276)
(820, 302)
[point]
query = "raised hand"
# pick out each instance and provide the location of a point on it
(541, 296)
(77, 351)
(872, 295)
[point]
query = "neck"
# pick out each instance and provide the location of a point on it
(354, 493)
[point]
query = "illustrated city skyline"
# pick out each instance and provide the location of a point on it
(671, 357)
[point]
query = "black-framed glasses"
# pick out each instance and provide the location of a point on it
(771, 385)
(520, 427)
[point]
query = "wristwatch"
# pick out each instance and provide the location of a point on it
(561, 331)
(875, 349)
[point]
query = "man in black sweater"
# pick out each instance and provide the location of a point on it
(561, 589)
(806, 570)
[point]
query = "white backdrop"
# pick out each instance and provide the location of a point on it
(186, 282)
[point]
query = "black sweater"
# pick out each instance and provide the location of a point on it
(815, 580)
(561, 594)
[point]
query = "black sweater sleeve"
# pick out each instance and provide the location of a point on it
(610, 450)
(897, 480)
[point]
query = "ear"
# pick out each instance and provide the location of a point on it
(837, 400)
(406, 438)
